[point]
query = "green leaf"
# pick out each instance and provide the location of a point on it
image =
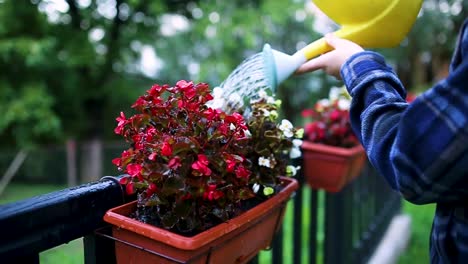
(183, 208)
(245, 193)
(268, 191)
(272, 134)
(188, 224)
(173, 185)
(169, 220)
(154, 200)
(221, 214)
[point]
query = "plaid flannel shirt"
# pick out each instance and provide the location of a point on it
(420, 148)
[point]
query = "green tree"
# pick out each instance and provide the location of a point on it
(423, 57)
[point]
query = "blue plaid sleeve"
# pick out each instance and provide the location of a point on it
(420, 148)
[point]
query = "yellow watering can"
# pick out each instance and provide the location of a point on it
(369, 23)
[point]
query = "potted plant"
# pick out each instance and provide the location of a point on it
(332, 155)
(210, 185)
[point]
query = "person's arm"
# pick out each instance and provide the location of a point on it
(422, 148)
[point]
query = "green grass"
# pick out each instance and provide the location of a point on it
(19, 191)
(265, 256)
(421, 222)
(71, 253)
(417, 251)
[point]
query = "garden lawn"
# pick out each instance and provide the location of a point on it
(71, 253)
(421, 222)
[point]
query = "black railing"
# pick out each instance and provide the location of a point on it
(339, 228)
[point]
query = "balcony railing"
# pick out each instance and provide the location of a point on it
(344, 227)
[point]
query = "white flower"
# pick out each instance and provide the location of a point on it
(262, 161)
(287, 127)
(324, 102)
(247, 133)
(271, 100)
(335, 93)
(256, 187)
(344, 104)
(218, 101)
(232, 127)
(295, 151)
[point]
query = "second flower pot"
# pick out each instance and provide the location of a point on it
(331, 168)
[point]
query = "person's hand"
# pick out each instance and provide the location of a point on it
(332, 61)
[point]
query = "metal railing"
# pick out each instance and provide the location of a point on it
(334, 228)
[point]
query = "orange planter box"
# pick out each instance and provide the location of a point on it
(235, 241)
(331, 168)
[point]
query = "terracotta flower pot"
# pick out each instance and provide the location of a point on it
(331, 168)
(235, 241)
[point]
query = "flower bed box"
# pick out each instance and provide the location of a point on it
(331, 168)
(236, 241)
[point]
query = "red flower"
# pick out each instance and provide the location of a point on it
(181, 104)
(174, 163)
(242, 172)
(223, 129)
(307, 112)
(190, 93)
(117, 162)
(124, 180)
(134, 169)
(152, 188)
(166, 149)
(211, 193)
(186, 197)
(150, 132)
(230, 165)
(329, 124)
(192, 106)
(152, 156)
(211, 113)
(128, 185)
(156, 90)
(410, 97)
(208, 97)
(335, 115)
(129, 188)
(183, 84)
(201, 165)
(137, 139)
(122, 122)
(139, 102)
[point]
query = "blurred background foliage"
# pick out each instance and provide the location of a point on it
(68, 67)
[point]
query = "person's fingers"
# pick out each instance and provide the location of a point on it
(314, 64)
(337, 42)
(332, 40)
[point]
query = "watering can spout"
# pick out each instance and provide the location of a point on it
(278, 65)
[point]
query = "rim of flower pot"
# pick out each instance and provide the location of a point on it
(341, 151)
(119, 219)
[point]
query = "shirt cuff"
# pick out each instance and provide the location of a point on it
(360, 64)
